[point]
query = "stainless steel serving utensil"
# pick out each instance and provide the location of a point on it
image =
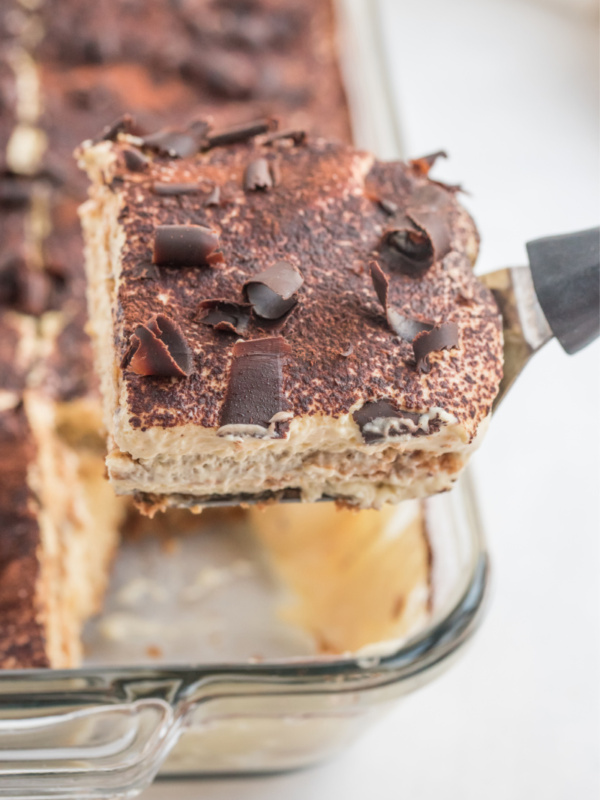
(557, 295)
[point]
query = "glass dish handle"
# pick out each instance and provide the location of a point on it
(93, 752)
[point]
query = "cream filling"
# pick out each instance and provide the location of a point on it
(365, 486)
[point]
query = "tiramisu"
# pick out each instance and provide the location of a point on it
(279, 314)
(58, 516)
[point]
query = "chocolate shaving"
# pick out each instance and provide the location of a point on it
(275, 169)
(134, 160)
(423, 164)
(272, 292)
(435, 226)
(255, 387)
(347, 351)
(124, 124)
(186, 246)
(173, 189)
(178, 143)
(392, 421)
(441, 337)
(388, 206)
(405, 327)
(27, 290)
(258, 175)
(214, 198)
(224, 315)
(298, 137)
(407, 250)
(158, 349)
(425, 236)
(240, 133)
(14, 193)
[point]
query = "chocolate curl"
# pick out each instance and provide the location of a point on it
(404, 421)
(258, 176)
(174, 189)
(441, 337)
(224, 315)
(186, 246)
(124, 124)
(158, 349)
(272, 292)
(178, 143)
(14, 192)
(240, 133)
(297, 137)
(255, 388)
(408, 250)
(214, 198)
(134, 160)
(430, 211)
(405, 327)
(423, 164)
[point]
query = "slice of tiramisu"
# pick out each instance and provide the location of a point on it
(273, 313)
(58, 516)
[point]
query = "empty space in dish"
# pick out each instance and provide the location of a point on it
(205, 596)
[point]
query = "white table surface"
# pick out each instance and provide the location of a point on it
(510, 89)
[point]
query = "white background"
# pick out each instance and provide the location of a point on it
(510, 89)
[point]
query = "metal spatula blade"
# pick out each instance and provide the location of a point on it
(557, 295)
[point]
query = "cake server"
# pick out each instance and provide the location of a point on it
(557, 295)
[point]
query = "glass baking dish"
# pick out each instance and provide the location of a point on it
(109, 728)
(100, 732)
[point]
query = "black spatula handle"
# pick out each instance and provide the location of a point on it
(566, 277)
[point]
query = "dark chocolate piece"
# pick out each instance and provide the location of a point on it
(159, 349)
(384, 410)
(173, 189)
(134, 160)
(14, 193)
(388, 206)
(441, 337)
(423, 164)
(240, 133)
(214, 198)
(435, 226)
(224, 315)
(406, 327)
(255, 388)
(258, 175)
(186, 246)
(24, 289)
(272, 292)
(298, 137)
(124, 124)
(407, 250)
(178, 143)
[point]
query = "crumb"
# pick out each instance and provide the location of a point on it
(170, 546)
(154, 651)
